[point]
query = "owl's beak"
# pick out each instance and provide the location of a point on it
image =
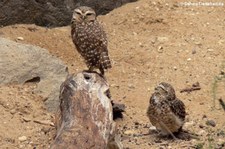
(83, 17)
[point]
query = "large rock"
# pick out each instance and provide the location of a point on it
(85, 118)
(49, 12)
(20, 63)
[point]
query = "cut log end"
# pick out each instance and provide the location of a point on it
(85, 118)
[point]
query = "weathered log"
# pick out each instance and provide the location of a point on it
(85, 118)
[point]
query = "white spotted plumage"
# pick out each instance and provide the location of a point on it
(166, 112)
(90, 39)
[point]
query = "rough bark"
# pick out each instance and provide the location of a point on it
(85, 118)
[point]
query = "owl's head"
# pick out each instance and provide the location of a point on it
(83, 14)
(166, 90)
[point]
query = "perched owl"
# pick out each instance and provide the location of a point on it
(165, 111)
(90, 39)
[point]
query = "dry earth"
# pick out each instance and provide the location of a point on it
(149, 42)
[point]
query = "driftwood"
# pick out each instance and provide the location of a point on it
(222, 103)
(85, 118)
(195, 86)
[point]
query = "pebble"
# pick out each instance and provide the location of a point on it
(210, 50)
(194, 51)
(160, 49)
(201, 126)
(204, 116)
(13, 111)
(189, 124)
(198, 43)
(20, 38)
(201, 132)
(129, 132)
(131, 86)
(189, 59)
(136, 123)
(152, 128)
(210, 123)
(162, 39)
(221, 42)
(26, 119)
(22, 138)
(221, 133)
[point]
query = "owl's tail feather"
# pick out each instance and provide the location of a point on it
(105, 61)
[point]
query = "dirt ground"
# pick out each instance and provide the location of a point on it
(149, 42)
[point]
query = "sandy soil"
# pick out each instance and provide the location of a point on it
(149, 42)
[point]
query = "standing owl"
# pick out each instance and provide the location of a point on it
(165, 111)
(90, 39)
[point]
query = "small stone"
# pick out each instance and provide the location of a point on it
(129, 132)
(201, 126)
(136, 123)
(189, 124)
(26, 119)
(157, 141)
(160, 49)
(175, 68)
(221, 133)
(201, 132)
(194, 51)
(13, 111)
(220, 143)
(11, 93)
(20, 38)
(211, 123)
(210, 50)
(22, 138)
(162, 39)
(222, 72)
(45, 130)
(141, 45)
(198, 43)
(131, 86)
(221, 42)
(204, 116)
(189, 59)
(152, 129)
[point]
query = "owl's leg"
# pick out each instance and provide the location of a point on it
(165, 130)
(102, 70)
(91, 69)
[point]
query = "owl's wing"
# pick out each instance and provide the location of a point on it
(100, 37)
(101, 46)
(178, 108)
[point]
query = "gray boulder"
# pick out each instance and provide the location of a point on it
(49, 12)
(20, 63)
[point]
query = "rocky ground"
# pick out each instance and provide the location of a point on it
(149, 42)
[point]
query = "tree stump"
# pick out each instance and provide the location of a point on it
(85, 118)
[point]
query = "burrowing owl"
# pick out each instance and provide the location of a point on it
(90, 39)
(165, 111)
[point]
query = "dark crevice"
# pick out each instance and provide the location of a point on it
(87, 77)
(34, 80)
